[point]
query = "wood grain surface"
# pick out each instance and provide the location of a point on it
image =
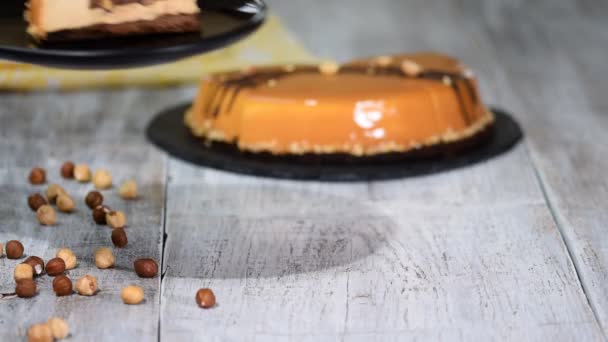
(512, 249)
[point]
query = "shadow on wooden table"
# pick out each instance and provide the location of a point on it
(267, 229)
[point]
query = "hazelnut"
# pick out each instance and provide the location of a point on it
(23, 271)
(116, 219)
(37, 264)
(68, 256)
(383, 61)
(146, 268)
(1, 249)
(205, 298)
(55, 267)
(53, 191)
(37, 176)
(128, 190)
(40, 333)
(86, 286)
(67, 170)
(102, 179)
(82, 173)
(35, 201)
(119, 237)
(104, 258)
(329, 68)
(94, 199)
(14, 249)
(411, 68)
(26, 288)
(99, 214)
(59, 327)
(132, 295)
(65, 203)
(62, 286)
(46, 215)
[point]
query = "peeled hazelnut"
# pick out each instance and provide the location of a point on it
(55, 267)
(94, 199)
(99, 214)
(26, 288)
(62, 286)
(104, 258)
(102, 179)
(82, 173)
(14, 249)
(35, 201)
(411, 68)
(53, 191)
(329, 68)
(68, 257)
(23, 271)
(86, 286)
(46, 215)
(119, 237)
(37, 264)
(37, 176)
(205, 298)
(59, 328)
(40, 333)
(128, 190)
(67, 170)
(132, 295)
(383, 61)
(116, 219)
(65, 203)
(146, 268)
(1, 249)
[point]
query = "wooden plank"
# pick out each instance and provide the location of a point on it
(103, 129)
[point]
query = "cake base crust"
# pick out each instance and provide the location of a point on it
(165, 24)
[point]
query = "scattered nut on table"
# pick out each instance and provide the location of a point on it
(14, 249)
(93, 199)
(116, 219)
(128, 190)
(119, 237)
(132, 295)
(37, 176)
(40, 333)
(35, 201)
(52, 191)
(55, 267)
(86, 285)
(205, 298)
(102, 179)
(104, 258)
(100, 213)
(145, 268)
(59, 327)
(37, 264)
(67, 170)
(62, 286)
(65, 203)
(68, 256)
(82, 173)
(23, 271)
(46, 215)
(25, 288)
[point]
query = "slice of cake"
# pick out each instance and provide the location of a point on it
(57, 20)
(363, 108)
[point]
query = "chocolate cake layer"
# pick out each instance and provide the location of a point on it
(164, 24)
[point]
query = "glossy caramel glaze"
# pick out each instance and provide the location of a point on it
(367, 107)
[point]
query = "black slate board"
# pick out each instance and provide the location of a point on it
(169, 132)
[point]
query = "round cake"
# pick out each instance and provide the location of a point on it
(368, 107)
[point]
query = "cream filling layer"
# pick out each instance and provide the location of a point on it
(59, 15)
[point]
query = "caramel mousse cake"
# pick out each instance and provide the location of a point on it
(60, 20)
(368, 107)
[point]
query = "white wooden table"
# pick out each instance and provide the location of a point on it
(512, 249)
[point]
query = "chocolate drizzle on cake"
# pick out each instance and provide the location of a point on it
(109, 4)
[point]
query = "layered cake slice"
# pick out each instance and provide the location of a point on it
(390, 104)
(57, 20)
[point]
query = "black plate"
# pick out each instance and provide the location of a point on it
(223, 22)
(169, 132)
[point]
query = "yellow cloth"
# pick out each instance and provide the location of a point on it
(271, 44)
